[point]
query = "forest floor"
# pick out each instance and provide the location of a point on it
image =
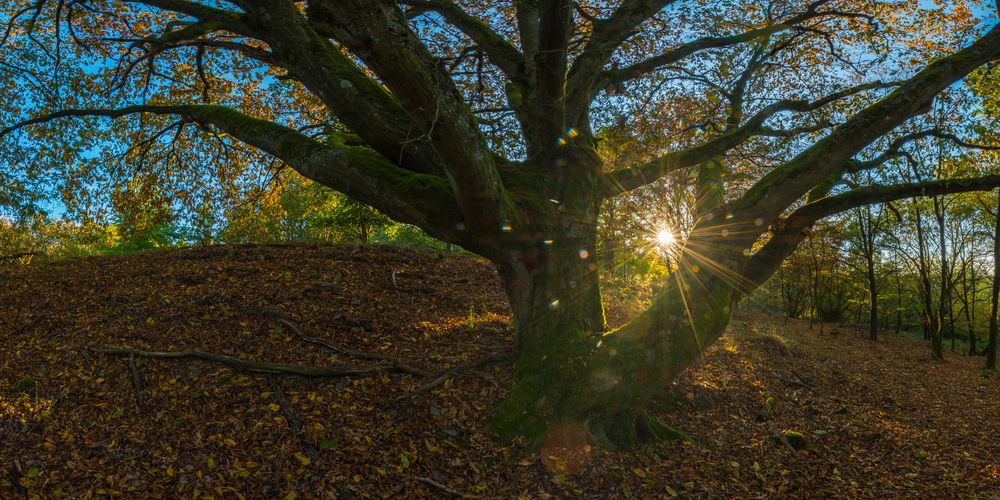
(878, 419)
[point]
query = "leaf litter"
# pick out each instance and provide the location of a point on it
(873, 420)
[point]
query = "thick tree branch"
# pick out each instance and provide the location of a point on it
(358, 172)
(554, 28)
(608, 34)
(831, 154)
(231, 21)
(357, 100)
(633, 177)
(501, 52)
(676, 54)
(526, 12)
(792, 230)
(378, 32)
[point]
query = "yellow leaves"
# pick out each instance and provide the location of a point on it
(273, 407)
(229, 442)
(641, 472)
(304, 460)
(170, 470)
(430, 447)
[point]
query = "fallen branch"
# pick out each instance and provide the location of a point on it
(292, 416)
(792, 382)
(783, 440)
(430, 482)
(249, 366)
(286, 407)
(136, 384)
(395, 365)
(445, 375)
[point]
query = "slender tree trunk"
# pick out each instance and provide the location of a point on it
(815, 285)
(927, 320)
(899, 302)
(937, 346)
(991, 345)
(964, 299)
(951, 326)
(866, 227)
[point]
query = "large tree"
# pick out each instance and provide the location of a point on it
(475, 121)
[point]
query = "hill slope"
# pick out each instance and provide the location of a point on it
(411, 421)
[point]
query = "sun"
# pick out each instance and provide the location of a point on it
(665, 238)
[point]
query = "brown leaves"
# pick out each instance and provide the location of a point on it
(879, 423)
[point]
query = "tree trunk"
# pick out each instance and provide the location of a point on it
(968, 305)
(567, 372)
(927, 319)
(991, 345)
(867, 229)
(937, 346)
(899, 302)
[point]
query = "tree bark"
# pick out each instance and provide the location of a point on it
(927, 318)
(937, 345)
(867, 228)
(567, 371)
(991, 345)
(899, 302)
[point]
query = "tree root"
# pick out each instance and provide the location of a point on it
(445, 375)
(631, 428)
(396, 365)
(251, 366)
(659, 431)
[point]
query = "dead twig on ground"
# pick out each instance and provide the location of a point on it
(430, 482)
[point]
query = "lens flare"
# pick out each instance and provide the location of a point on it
(665, 238)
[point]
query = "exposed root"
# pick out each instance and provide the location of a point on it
(396, 365)
(445, 375)
(658, 431)
(630, 429)
(251, 366)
